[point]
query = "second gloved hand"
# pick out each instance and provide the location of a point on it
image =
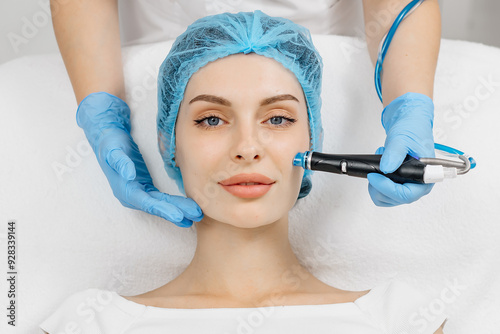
(105, 119)
(408, 122)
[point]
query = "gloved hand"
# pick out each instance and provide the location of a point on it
(105, 120)
(408, 122)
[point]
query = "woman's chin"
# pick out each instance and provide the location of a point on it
(242, 219)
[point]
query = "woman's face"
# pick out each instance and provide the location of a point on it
(242, 116)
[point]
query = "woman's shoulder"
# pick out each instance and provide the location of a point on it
(400, 306)
(85, 311)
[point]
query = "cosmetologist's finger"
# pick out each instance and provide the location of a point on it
(121, 163)
(189, 207)
(394, 153)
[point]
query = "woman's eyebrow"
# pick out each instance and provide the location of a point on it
(224, 102)
(211, 98)
(282, 97)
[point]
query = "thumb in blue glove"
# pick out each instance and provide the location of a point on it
(408, 122)
(386, 193)
(105, 120)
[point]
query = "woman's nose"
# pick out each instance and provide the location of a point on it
(248, 154)
(247, 146)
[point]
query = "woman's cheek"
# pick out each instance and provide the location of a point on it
(285, 147)
(297, 142)
(204, 169)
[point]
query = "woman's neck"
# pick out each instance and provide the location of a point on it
(244, 264)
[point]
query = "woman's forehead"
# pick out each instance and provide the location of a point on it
(252, 72)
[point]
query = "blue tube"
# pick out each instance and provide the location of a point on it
(387, 42)
(452, 150)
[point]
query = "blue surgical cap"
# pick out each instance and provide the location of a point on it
(221, 35)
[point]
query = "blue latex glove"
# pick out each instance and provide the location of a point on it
(408, 122)
(105, 119)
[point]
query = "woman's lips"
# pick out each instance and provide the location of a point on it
(252, 191)
(247, 185)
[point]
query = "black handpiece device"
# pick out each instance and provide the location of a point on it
(360, 165)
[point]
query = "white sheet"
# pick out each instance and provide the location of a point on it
(73, 234)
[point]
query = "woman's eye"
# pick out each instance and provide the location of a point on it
(213, 121)
(281, 121)
(208, 122)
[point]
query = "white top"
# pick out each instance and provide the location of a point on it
(392, 307)
(152, 21)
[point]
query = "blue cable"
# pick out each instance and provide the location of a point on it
(380, 60)
(452, 150)
(387, 42)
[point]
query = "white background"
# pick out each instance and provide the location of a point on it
(471, 20)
